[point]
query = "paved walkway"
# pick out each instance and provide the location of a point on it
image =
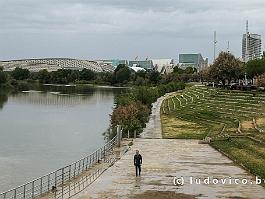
(153, 127)
(164, 159)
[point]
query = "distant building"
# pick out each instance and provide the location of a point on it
(163, 65)
(147, 64)
(192, 60)
(112, 62)
(53, 64)
(116, 62)
(253, 49)
(137, 69)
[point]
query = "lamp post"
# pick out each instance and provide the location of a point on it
(246, 81)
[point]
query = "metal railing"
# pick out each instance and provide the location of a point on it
(73, 187)
(56, 179)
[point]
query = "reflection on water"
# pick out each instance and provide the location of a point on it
(57, 99)
(3, 98)
(42, 131)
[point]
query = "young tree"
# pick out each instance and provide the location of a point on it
(131, 117)
(226, 68)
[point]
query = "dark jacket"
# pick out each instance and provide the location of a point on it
(137, 160)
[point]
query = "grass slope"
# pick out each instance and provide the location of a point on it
(224, 116)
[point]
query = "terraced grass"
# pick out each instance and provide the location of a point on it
(182, 129)
(246, 152)
(226, 117)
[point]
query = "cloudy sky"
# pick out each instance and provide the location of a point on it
(93, 29)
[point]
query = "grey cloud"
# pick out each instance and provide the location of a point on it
(130, 20)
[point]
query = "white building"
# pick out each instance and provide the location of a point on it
(53, 64)
(251, 47)
(163, 65)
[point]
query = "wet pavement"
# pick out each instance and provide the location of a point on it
(165, 159)
(153, 127)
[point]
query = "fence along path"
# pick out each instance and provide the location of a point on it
(55, 181)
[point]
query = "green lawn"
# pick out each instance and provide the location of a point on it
(223, 115)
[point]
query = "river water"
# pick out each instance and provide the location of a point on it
(43, 130)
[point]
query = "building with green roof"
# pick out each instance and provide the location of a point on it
(193, 60)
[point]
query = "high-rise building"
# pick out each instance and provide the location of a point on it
(251, 47)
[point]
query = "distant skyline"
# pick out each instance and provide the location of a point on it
(124, 29)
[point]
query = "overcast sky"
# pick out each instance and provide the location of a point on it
(124, 29)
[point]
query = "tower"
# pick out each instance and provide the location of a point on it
(214, 46)
(251, 45)
(246, 51)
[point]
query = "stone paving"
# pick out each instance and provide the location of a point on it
(165, 159)
(153, 127)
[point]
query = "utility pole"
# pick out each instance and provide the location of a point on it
(214, 46)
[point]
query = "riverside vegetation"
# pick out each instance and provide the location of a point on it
(133, 108)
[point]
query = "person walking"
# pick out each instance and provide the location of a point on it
(137, 163)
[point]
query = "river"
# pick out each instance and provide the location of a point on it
(45, 129)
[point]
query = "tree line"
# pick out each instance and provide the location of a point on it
(227, 68)
(122, 76)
